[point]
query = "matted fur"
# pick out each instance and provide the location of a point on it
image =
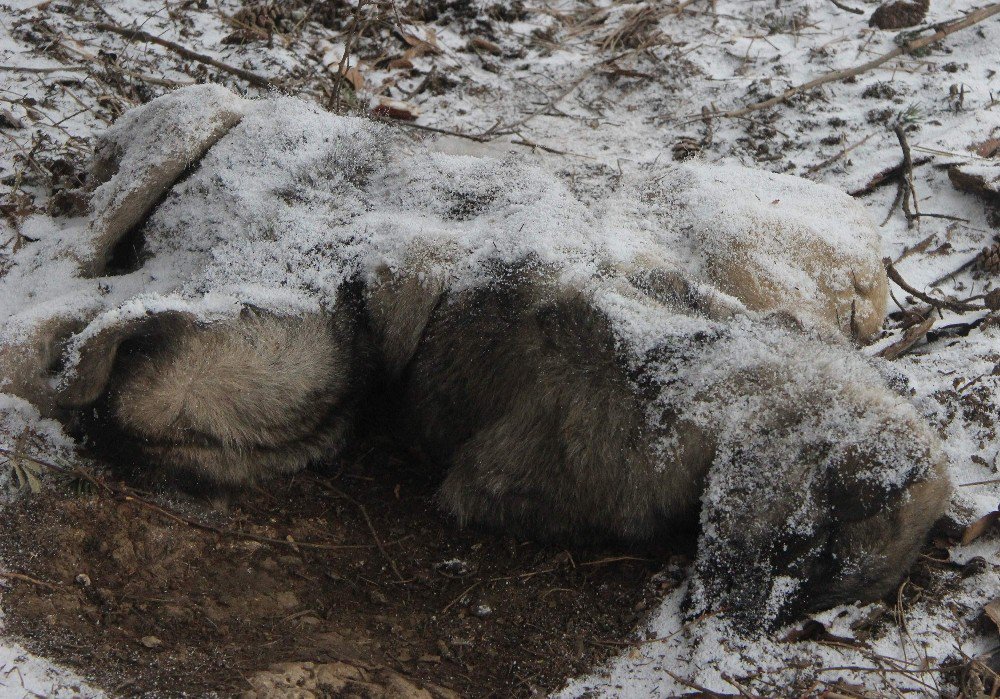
(523, 388)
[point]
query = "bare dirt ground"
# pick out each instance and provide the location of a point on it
(144, 604)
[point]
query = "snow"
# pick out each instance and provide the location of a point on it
(23, 675)
(616, 130)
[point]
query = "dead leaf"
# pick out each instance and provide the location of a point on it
(480, 44)
(988, 148)
(353, 75)
(395, 109)
(419, 46)
(979, 527)
(977, 178)
(398, 63)
(993, 612)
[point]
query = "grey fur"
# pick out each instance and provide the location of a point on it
(522, 387)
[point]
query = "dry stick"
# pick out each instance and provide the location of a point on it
(950, 304)
(837, 156)
(7, 575)
(371, 527)
(129, 495)
(29, 69)
(906, 184)
(907, 48)
(847, 8)
(961, 268)
(895, 203)
(466, 591)
(341, 68)
(545, 107)
(139, 35)
(885, 176)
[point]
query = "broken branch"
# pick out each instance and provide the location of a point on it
(909, 47)
(139, 35)
(949, 304)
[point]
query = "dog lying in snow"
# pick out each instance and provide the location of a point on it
(680, 353)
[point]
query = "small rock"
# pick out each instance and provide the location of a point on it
(454, 566)
(151, 642)
(482, 610)
(83, 580)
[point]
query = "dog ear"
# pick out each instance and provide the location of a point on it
(138, 159)
(92, 354)
(28, 362)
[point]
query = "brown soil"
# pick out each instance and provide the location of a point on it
(145, 605)
(899, 14)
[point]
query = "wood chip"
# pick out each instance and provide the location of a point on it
(979, 527)
(911, 337)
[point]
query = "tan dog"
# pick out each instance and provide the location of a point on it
(682, 359)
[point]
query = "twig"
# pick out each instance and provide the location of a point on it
(662, 639)
(895, 203)
(958, 270)
(7, 575)
(139, 35)
(466, 591)
(547, 106)
(847, 8)
(837, 156)
(547, 149)
(433, 129)
(42, 70)
(371, 527)
(989, 482)
(946, 217)
(885, 176)
(949, 304)
(478, 139)
(706, 693)
(616, 559)
(130, 495)
(907, 48)
(906, 183)
(341, 68)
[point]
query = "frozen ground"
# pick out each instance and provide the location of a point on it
(594, 91)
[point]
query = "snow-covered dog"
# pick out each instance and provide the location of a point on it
(678, 350)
